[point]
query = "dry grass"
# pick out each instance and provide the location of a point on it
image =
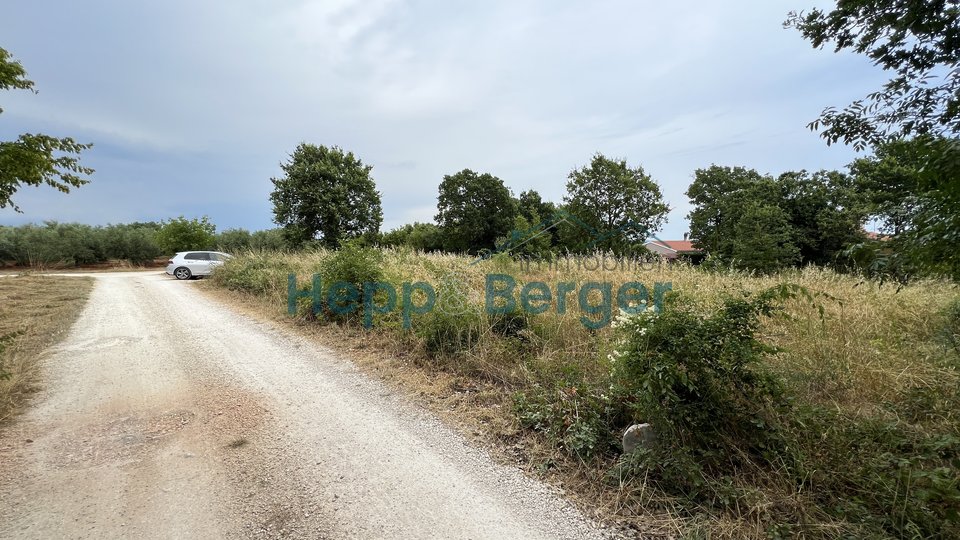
(873, 345)
(35, 313)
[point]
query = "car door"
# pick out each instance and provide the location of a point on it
(198, 262)
(216, 259)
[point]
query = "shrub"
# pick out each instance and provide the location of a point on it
(693, 373)
(253, 272)
(355, 264)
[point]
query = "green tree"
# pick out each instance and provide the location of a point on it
(183, 234)
(617, 207)
(233, 240)
(822, 212)
(890, 181)
(764, 238)
(268, 240)
(35, 159)
(133, 242)
(918, 41)
(473, 211)
(825, 211)
(529, 237)
(326, 194)
(911, 189)
(533, 208)
(421, 236)
(717, 194)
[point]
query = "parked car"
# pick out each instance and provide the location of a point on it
(188, 264)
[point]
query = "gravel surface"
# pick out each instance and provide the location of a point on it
(165, 414)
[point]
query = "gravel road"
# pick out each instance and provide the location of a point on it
(166, 415)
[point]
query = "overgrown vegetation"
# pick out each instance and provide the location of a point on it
(35, 312)
(805, 403)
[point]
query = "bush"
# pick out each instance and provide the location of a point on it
(354, 264)
(267, 240)
(259, 273)
(233, 240)
(693, 373)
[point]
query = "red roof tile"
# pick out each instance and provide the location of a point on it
(679, 246)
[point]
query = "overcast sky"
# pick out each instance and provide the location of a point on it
(193, 105)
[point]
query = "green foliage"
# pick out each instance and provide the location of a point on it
(757, 222)
(533, 208)
(268, 240)
(695, 375)
(617, 207)
(326, 194)
(70, 244)
(825, 211)
(528, 238)
(35, 159)
(888, 477)
(473, 210)
(134, 242)
(255, 272)
(763, 239)
(233, 240)
(573, 418)
(183, 234)
(419, 236)
(914, 40)
(355, 264)
(911, 189)
(447, 335)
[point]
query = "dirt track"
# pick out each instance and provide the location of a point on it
(167, 415)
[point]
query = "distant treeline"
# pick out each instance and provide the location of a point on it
(74, 244)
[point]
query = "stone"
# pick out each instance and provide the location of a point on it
(638, 436)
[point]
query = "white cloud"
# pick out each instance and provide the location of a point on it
(220, 93)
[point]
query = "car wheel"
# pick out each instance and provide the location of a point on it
(182, 273)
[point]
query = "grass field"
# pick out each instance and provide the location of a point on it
(36, 311)
(863, 410)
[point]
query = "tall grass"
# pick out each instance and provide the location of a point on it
(870, 372)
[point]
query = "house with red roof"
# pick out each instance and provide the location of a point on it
(675, 249)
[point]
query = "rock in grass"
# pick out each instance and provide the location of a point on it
(638, 436)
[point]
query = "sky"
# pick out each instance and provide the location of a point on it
(192, 106)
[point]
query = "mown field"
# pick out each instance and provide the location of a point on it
(807, 403)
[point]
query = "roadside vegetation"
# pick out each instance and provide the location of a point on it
(35, 313)
(805, 402)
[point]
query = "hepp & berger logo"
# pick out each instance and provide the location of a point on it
(502, 293)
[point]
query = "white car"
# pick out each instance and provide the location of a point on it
(188, 264)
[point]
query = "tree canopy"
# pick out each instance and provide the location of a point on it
(918, 41)
(764, 223)
(182, 234)
(35, 159)
(473, 211)
(616, 206)
(327, 195)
